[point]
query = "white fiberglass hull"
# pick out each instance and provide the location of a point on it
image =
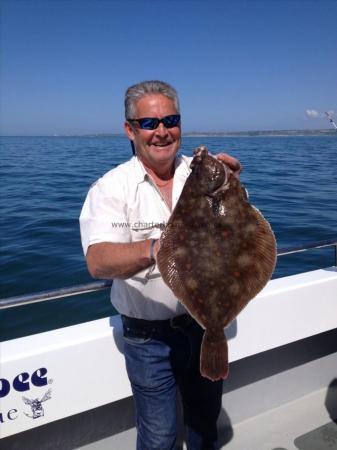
(62, 373)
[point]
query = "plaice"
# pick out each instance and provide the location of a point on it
(216, 253)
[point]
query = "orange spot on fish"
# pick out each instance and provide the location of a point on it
(236, 274)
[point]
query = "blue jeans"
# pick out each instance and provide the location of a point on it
(158, 360)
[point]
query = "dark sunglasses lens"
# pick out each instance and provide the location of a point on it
(148, 123)
(171, 121)
(151, 123)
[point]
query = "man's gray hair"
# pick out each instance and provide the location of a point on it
(139, 90)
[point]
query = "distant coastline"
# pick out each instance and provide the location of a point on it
(256, 133)
(263, 133)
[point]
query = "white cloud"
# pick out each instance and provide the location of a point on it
(312, 113)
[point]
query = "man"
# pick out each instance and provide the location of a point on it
(121, 221)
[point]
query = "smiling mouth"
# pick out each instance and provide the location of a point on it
(162, 145)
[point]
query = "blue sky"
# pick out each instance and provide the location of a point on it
(237, 65)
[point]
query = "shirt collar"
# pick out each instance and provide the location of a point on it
(140, 172)
(181, 168)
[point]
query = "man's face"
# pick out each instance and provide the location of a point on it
(156, 148)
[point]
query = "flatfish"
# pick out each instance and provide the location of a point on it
(216, 253)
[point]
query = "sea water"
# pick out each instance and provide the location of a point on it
(292, 180)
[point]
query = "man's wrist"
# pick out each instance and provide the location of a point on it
(151, 251)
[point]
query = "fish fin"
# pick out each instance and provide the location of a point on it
(265, 253)
(214, 355)
(169, 268)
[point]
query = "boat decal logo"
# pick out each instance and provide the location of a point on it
(36, 405)
(24, 381)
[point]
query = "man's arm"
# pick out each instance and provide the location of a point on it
(107, 260)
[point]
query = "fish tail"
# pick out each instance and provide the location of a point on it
(214, 355)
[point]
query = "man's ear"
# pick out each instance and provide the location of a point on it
(129, 131)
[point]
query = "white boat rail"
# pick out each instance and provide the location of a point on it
(57, 294)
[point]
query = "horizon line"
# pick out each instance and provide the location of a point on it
(186, 133)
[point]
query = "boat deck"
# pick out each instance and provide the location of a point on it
(304, 424)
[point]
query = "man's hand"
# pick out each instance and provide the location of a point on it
(231, 162)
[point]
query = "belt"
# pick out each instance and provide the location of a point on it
(142, 325)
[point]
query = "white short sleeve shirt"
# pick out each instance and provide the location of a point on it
(126, 206)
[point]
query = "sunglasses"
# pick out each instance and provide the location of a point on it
(151, 123)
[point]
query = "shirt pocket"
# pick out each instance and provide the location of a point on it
(141, 230)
